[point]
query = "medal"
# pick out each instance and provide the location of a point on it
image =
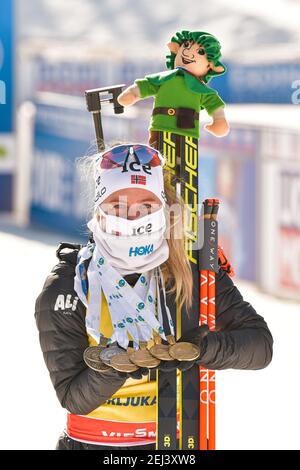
(122, 362)
(184, 351)
(92, 359)
(108, 353)
(161, 351)
(143, 358)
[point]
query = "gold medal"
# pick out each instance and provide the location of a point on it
(122, 363)
(184, 351)
(161, 351)
(143, 358)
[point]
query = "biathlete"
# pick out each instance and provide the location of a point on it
(113, 293)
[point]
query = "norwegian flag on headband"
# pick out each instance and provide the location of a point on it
(138, 179)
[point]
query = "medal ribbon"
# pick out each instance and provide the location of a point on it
(132, 309)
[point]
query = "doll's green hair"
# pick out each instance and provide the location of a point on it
(211, 46)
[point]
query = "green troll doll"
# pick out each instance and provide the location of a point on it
(182, 91)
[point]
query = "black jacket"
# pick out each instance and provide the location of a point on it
(242, 339)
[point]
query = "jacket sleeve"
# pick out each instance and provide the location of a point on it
(242, 339)
(60, 318)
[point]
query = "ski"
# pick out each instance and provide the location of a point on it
(181, 154)
(166, 382)
(166, 390)
(196, 387)
(190, 380)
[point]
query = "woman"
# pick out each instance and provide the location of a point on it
(136, 240)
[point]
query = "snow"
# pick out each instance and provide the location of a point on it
(255, 409)
(259, 409)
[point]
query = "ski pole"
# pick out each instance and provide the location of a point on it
(208, 258)
(212, 327)
(203, 320)
(203, 372)
(94, 100)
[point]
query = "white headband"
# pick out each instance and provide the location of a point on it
(132, 175)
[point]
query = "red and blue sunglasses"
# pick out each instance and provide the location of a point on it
(117, 156)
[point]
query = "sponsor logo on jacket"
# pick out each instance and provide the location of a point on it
(66, 303)
(141, 250)
(132, 401)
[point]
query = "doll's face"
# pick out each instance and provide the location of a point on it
(192, 57)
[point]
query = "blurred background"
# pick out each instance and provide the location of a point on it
(50, 53)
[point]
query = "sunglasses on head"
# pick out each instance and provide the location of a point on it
(117, 156)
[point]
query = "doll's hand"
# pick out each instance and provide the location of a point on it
(219, 127)
(129, 96)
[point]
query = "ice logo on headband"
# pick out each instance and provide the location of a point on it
(135, 164)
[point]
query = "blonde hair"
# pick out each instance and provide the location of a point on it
(176, 270)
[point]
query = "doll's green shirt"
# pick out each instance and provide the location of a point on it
(175, 89)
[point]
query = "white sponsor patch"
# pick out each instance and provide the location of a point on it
(64, 302)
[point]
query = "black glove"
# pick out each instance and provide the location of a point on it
(196, 336)
(137, 374)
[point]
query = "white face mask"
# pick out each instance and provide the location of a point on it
(147, 224)
(135, 253)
